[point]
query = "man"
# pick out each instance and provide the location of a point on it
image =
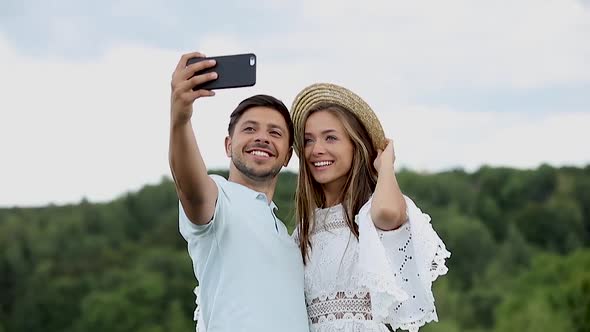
(249, 269)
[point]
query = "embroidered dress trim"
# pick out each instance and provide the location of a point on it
(340, 306)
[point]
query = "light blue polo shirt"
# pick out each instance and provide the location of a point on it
(249, 269)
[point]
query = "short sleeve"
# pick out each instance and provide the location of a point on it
(194, 234)
(188, 229)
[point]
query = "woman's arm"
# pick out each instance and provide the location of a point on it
(388, 208)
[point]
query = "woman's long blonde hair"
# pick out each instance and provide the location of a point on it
(359, 185)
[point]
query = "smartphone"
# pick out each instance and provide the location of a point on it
(233, 71)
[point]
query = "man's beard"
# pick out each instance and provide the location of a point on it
(251, 173)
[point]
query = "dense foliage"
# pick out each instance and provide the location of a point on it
(520, 241)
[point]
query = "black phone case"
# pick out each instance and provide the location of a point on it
(233, 71)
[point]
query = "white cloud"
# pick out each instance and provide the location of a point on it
(99, 128)
(440, 138)
(430, 44)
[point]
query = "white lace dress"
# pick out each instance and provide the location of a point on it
(384, 277)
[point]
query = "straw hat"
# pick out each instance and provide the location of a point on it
(318, 93)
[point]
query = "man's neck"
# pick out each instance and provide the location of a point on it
(265, 187)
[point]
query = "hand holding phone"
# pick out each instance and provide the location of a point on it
(233, 71)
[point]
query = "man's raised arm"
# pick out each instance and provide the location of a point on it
(196, 190)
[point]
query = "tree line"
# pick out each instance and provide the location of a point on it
(520, 243)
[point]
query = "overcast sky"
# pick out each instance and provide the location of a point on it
(85, 86)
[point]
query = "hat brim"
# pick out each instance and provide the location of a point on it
(319, 93)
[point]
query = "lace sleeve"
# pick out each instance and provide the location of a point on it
(398, 268)
(430, 249)
(376, 272)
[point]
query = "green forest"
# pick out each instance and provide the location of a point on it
(520, 243)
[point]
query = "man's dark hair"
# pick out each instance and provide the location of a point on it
(261, 101)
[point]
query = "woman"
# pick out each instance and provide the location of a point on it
(370, 254)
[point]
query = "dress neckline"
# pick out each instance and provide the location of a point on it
(331, 208)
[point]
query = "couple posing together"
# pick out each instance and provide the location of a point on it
(362, 258)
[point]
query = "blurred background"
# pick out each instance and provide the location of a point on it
(488, 105)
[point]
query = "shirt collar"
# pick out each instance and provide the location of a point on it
(262, 196)
(256, 195)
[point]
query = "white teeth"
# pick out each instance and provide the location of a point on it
(260, 153)
(322, 163)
